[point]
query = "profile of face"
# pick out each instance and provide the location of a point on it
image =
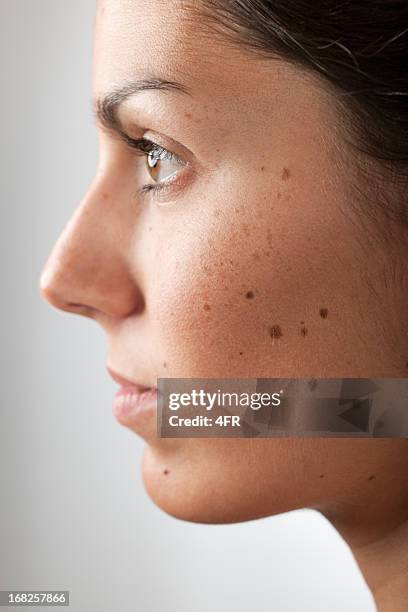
(220, 239)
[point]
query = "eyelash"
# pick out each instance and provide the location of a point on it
(144, 146)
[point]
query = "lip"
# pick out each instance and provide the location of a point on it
(135, 406)
(125, 382)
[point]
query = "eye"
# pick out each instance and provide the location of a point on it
(162, 163)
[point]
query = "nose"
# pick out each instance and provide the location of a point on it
(88, 271)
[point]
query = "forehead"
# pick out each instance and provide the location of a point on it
(171, 40)
(135, 39)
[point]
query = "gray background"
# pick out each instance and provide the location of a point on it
(74, 514)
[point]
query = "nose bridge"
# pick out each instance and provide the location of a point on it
(87, 271)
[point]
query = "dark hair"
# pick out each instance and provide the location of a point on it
(359, 46)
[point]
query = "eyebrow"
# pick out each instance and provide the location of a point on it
(106, 107)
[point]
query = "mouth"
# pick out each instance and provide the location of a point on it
(134, 405)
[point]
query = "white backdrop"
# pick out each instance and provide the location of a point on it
(74, 514)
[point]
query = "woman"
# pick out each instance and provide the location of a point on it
(252, 176)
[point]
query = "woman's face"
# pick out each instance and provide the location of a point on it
(248, 229)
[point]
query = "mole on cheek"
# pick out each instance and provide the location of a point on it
(207, 307)
(321, 476)
(166, 472)
(371, 477)
(249, 295)
(303, 331)
(285, 174)
(323, 313)
(241, 352)
(164, 364)
(275, 331)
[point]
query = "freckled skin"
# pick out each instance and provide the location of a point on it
(275, 331)
(230, 226)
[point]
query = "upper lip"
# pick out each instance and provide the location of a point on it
(126, 382)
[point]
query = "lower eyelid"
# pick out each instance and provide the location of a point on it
(170, 189)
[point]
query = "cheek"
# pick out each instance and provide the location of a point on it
(257, 282)
(208, 304)
(240, 290)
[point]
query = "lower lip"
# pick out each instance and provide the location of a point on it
(130, 401)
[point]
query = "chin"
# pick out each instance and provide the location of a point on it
(169, 485)
(201, 494)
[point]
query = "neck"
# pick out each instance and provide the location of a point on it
(383, 560)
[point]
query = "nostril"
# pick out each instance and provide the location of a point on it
(51, 295)
(80, 309)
